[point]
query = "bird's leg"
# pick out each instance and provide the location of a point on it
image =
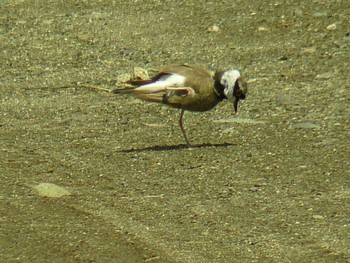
(182, 128)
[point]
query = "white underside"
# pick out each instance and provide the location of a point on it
(166, 81)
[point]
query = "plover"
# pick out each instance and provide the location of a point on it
(189, 88)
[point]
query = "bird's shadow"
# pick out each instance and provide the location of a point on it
(176, 147)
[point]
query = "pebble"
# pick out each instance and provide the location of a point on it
(262, 29)
(305, 125)
(213, 29)
(99, 15)
(229, 130)
(124, 78)
(308, 50)
(47, 22)
(50, 190)
(140, 74)
(287, 102)
(332, 27)
(326, 75)
(86, 37)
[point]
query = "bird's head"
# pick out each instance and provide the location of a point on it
(235, 86)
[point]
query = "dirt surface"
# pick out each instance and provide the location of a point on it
(270, 186)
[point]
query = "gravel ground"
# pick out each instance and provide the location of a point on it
(271, 184)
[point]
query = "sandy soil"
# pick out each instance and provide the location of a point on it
(271, 186)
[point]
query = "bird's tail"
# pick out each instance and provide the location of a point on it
(133, 85)
(124, 90)
(147, 93)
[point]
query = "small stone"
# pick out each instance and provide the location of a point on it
(50, 190)
(140, 74)
(21, 22)
(47, 22)
(298, 12)
(213, 29)
(262, 29)
(305, 125)
(124, 78)
(320, 14)
(86, 37)
(308, 50)
(317, 217)
(286, 101)
(332, 27)
(283, 58)
(326, 75)
(99, 15)
(229, 130)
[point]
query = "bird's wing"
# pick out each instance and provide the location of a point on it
(160, 88)
(167, 85)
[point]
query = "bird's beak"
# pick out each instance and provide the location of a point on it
(240, 91)
(235, 105)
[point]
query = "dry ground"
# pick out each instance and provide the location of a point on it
(275, 189)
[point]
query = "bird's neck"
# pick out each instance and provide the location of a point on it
(218, 87)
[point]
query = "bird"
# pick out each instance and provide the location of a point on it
(189, 88)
